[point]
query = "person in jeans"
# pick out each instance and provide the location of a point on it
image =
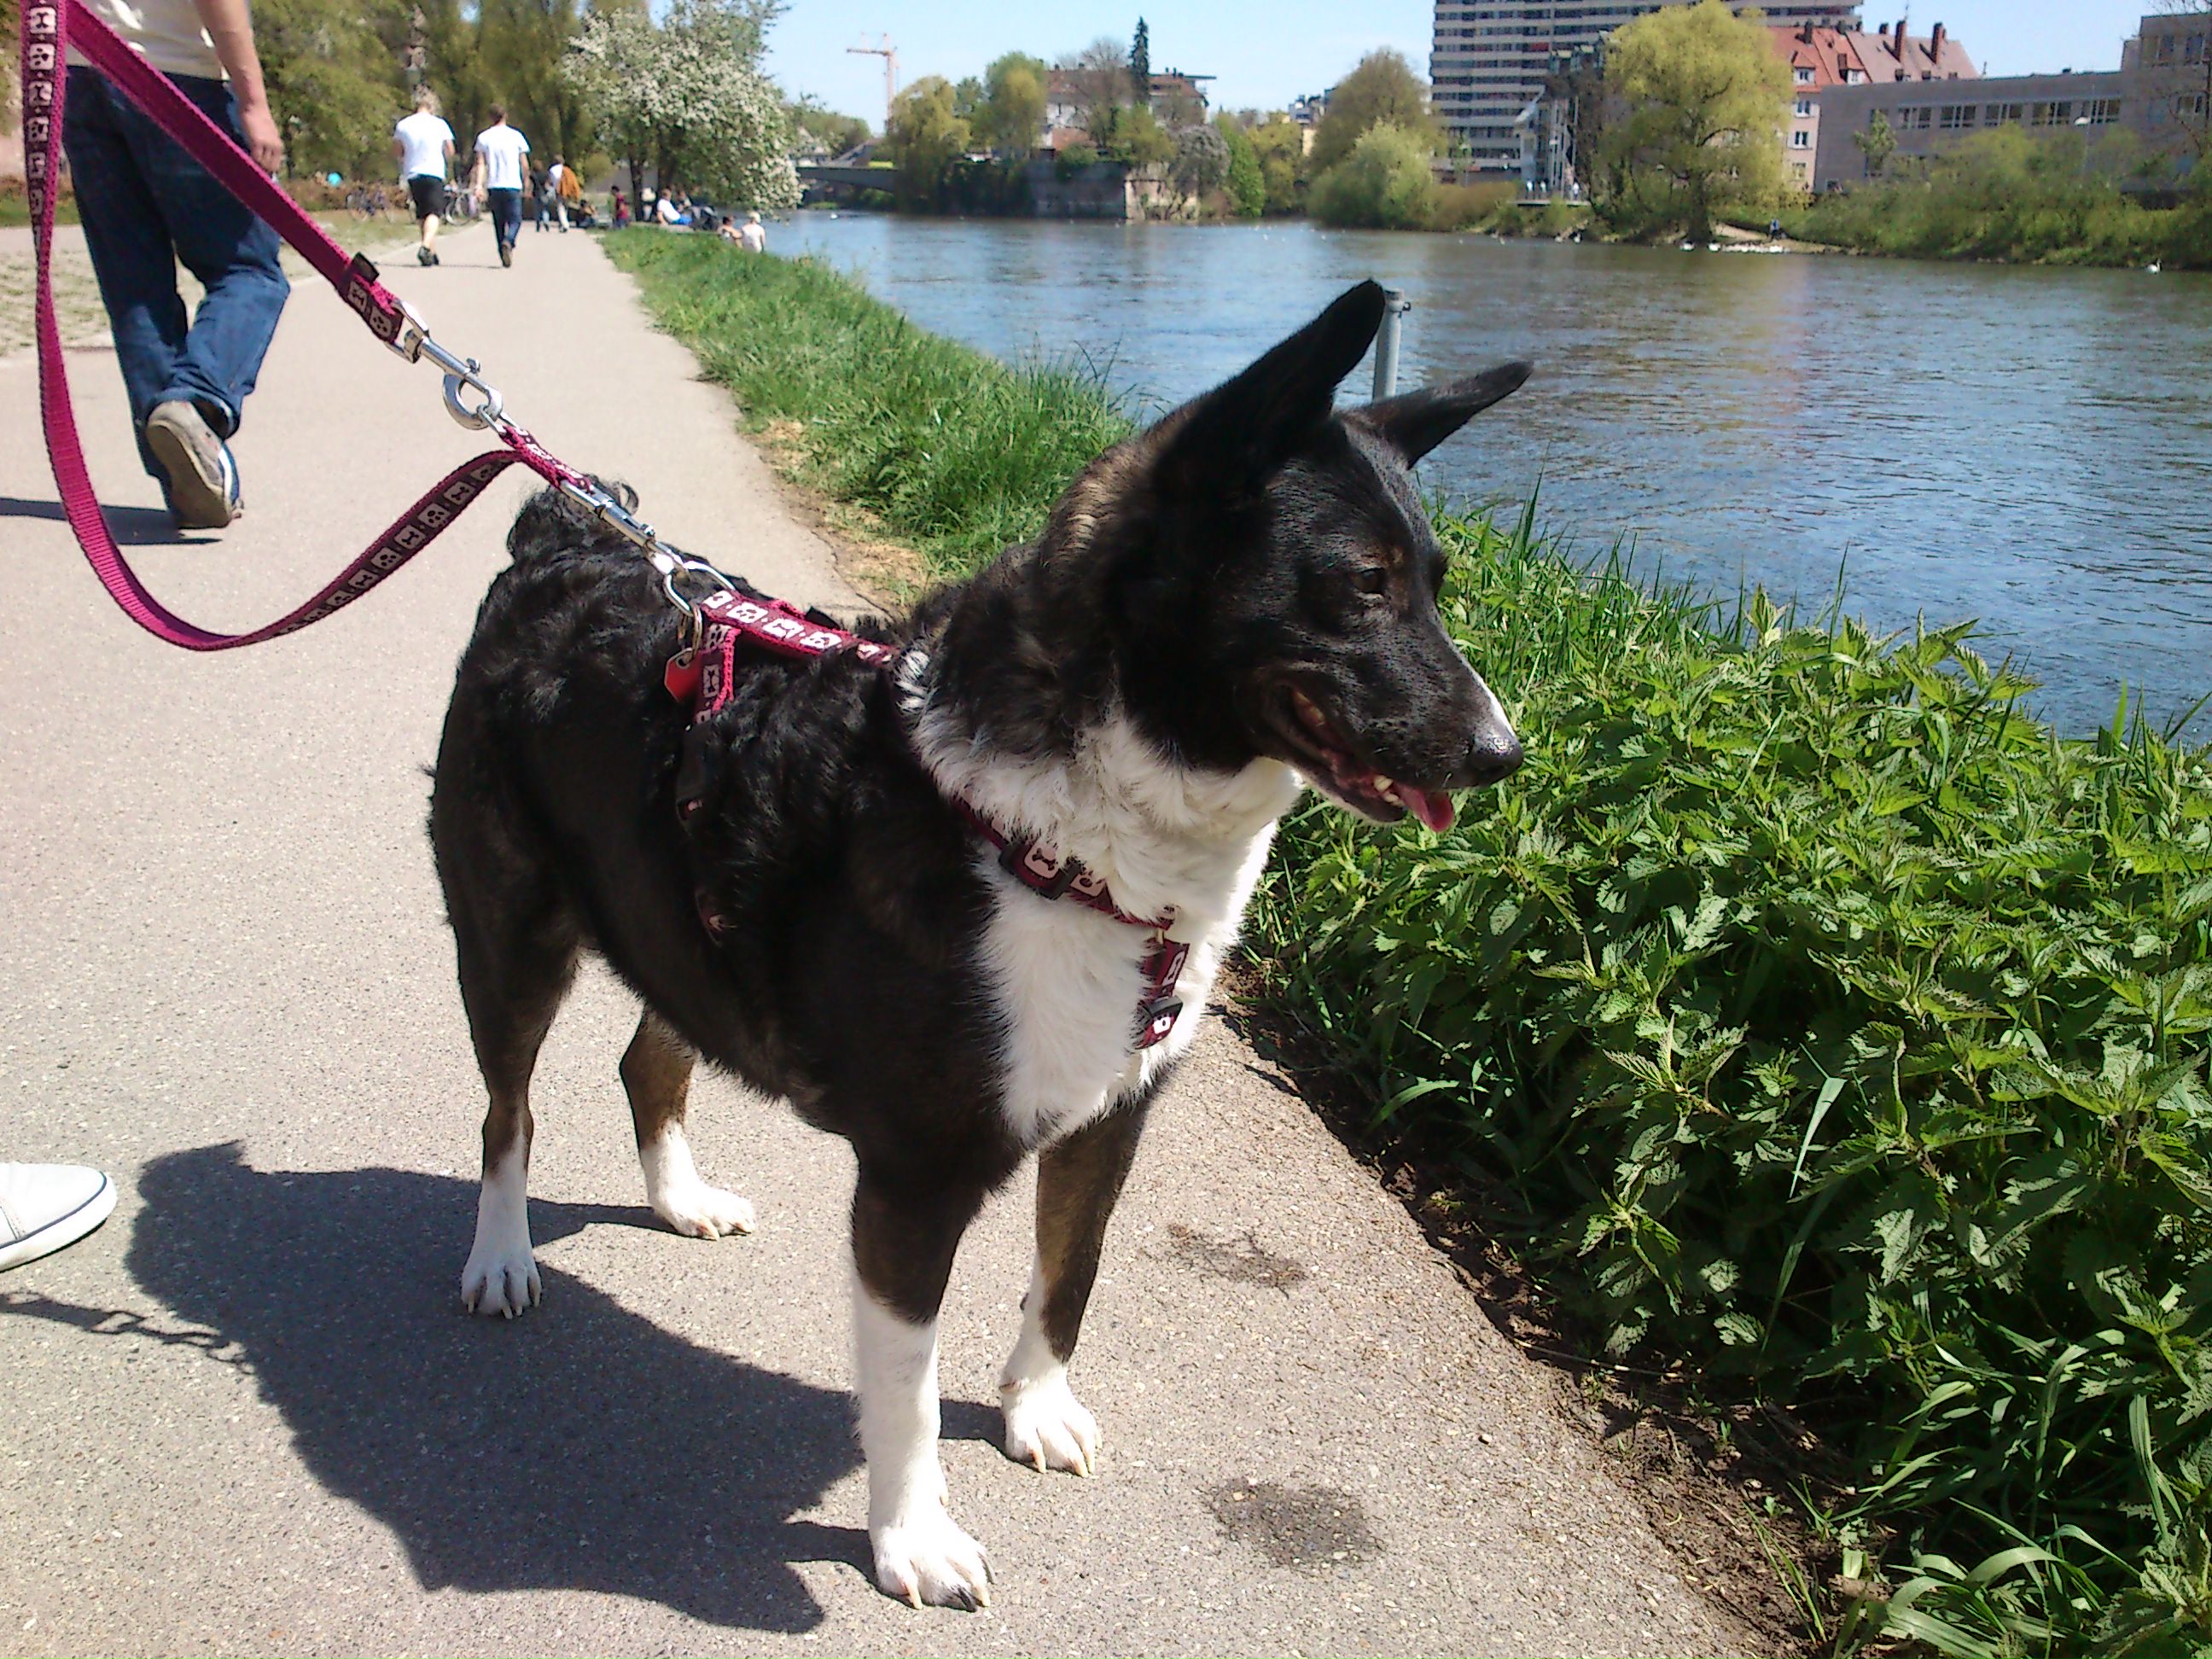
(424, 144)
(501, 173)
(146, 206)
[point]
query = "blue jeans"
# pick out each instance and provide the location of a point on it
(506, 214)
(146, 205)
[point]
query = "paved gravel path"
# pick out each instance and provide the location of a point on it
(249, 1415)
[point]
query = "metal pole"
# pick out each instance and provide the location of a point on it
(1395, 305)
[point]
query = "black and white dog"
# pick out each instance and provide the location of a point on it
(1233, 603)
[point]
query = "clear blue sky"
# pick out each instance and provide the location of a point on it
(1265, 52)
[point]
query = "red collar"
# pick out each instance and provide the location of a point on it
(703, 675)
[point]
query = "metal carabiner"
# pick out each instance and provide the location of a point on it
(485, 413)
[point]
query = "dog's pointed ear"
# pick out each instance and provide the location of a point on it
(1415, 422)
(1247, 427)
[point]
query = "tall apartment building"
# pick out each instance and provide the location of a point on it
(1491, 56)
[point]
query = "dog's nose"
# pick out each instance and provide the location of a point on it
(1492, 755)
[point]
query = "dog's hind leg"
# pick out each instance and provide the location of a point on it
(1078, 1180)
(656, 1071)
(905, 1227)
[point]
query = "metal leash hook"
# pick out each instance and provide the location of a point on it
(461, 374)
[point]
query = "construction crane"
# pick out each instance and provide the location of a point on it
(884, 50)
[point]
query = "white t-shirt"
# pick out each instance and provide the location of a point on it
(423, 138)
(503, 148)
(167, 33)
(553, 178)
(753, 237)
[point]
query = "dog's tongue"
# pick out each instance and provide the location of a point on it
(1432, 806)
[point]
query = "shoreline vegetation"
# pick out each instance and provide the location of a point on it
(1673, 135)
(1835, 1031)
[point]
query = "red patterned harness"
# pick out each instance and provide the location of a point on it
(703, 676)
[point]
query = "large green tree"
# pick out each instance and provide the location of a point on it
(334, 81)
(927, 136)
(835, 132)
(1131, 133)
(1248, 185)
(1704, 100)
(687, 95)
(1384, 184)
(521, 45)
(1279, 143)
(1012, 111)
(1382, 88)
(1097, 79)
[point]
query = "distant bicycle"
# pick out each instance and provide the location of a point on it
(368, 201)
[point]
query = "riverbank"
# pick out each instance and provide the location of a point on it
(1830, 1027)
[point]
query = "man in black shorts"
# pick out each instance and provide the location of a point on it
(424, 144)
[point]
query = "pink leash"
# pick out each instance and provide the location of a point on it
(48, 27)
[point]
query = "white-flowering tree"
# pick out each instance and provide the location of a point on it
(687, 95)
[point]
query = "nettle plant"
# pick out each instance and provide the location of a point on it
(1837, 1026)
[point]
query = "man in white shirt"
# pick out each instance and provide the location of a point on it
(424, 145)
(501, 174)
(754, 237)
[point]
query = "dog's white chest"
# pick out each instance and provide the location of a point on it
(1070, 985)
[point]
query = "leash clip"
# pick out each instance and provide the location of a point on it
(412, 334)
(486, 413)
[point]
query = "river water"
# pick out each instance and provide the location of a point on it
(2032, 447)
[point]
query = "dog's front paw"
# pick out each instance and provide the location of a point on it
(698, 1211)
(500, 1282)
(1046, 1427)
(929, 1559)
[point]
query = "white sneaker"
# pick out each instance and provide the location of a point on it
(44, 1206)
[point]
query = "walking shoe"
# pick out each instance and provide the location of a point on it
(424, 257)
(44, 1206)
(506, 253)
(202, 478)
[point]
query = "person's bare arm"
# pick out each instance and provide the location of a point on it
(476, 173)
(229, 25)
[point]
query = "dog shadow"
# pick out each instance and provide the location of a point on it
(580, 1448)
(130, 527)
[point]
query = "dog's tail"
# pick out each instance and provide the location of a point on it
(550, 522)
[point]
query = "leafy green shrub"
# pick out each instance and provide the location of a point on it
(1383, 185)
(1073, 160)
(1248, 186)
(2007, 194)
(1837, 1026)
(1463, 207)
(1552, 219)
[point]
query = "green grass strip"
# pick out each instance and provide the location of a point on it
(1836, 1028)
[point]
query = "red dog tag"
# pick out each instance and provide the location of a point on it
(681, 676)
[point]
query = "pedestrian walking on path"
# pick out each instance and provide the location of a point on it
(501, 173)
(424, 144)
(572, 195)
(146, 206)
(561, 185)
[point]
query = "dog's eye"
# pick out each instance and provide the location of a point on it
(1370, 579)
